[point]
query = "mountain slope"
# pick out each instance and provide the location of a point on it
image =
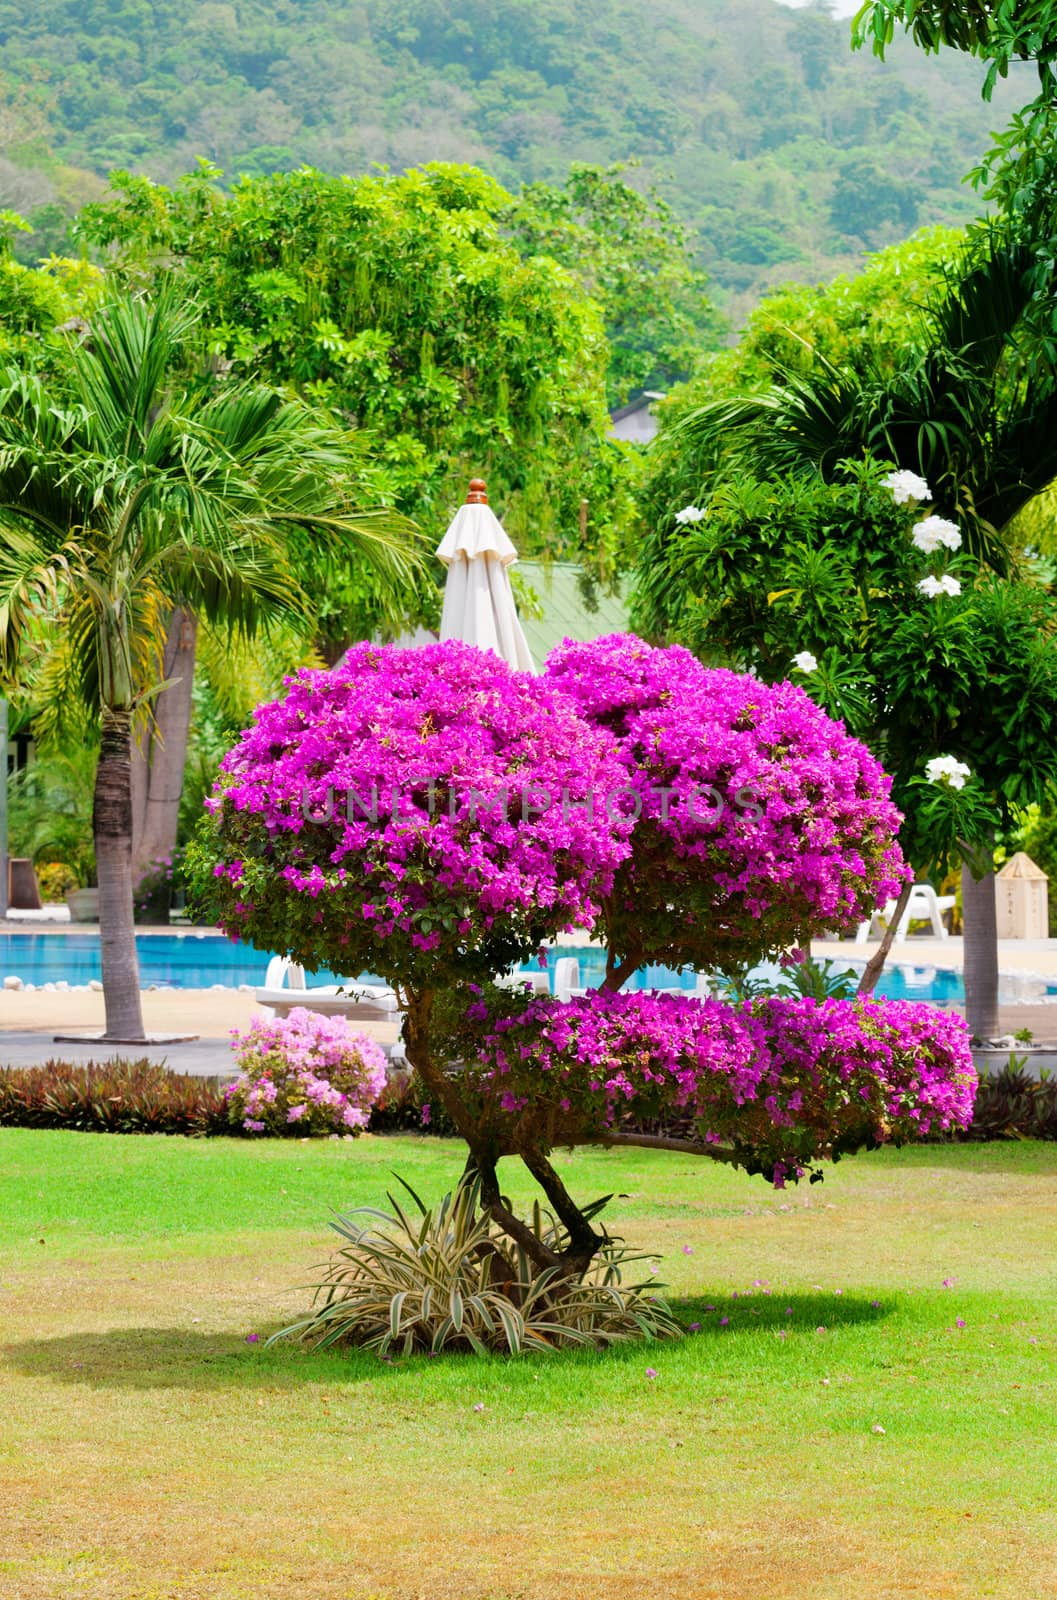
(786, 153)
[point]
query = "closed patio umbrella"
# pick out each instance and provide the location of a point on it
(478, 601)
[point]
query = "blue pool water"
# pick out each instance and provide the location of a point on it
(194, 959)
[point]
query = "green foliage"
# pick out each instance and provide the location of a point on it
(1004, 33)
(398, 301)
(445, 1278)
(871, 319)
(1012, 1105)
(132, 491)
(963, 408)
(633, 256)
(785, 566)
(746, 111)
(110, 1097)
(50, 811)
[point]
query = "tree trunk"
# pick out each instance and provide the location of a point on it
(876, 964)
(112, 828)
(159, 758)
(980, 945)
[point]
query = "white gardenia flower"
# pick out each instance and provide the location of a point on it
(948, 770)
(805, 661)
(934, 587)
(906, 486)
(932, 532)
(690, 514)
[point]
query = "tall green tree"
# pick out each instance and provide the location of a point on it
(128, 494)
(398, 300)
(633, 255)
(962, 410)
(822, 582)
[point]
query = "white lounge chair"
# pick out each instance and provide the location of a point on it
(285, 988)
(924, 905)
(567, 978)
(539, 982)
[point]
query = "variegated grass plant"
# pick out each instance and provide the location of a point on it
(446, 1278)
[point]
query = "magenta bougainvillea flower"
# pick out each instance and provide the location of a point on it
(779, 1084)
(416, 811)
(760, 818)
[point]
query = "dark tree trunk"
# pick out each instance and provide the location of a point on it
(980, 946)
(159, 758)
(485, 1151)
(112, 828)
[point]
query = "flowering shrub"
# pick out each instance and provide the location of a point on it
(432, 816)
(577, 1070)
(849, 1073)
(304, 1074)
(761, 819)
(772, 1085)
(414, 811)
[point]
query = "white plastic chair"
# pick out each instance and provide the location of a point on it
(924, 905)
(285, 988)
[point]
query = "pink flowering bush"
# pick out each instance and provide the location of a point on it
(577, 1071)
(432, 816)
(760, 819)
(414, 812)
(304, 1074)
(773, 1085)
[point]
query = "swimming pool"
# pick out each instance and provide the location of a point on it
(196, 959)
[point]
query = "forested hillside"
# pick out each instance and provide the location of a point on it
(784, 152)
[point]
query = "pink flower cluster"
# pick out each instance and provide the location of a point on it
(606, 1057)
(899, 1069)
(304, 1074)
(781, 1084)
(482, 839)
(762, 819)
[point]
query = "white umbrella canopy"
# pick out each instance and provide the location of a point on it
(478, 601)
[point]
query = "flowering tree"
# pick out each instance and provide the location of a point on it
(433, 816)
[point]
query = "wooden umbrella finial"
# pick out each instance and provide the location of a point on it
(478, 495)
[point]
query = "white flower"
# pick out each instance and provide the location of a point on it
(931, 532)
(690, 514)
(934, 587)
(906, 486)
(804, 661)
(948, 770)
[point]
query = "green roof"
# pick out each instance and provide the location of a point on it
(556, 587)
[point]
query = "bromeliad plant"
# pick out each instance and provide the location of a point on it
(432, 816)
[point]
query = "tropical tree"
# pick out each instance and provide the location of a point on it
(965, 413)
(400, 301)
(124, 494)
(923, 653)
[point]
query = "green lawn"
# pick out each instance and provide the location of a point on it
(148, 1450)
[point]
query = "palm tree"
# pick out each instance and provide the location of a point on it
(974, 411)
(128, 493)
(970, 410)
